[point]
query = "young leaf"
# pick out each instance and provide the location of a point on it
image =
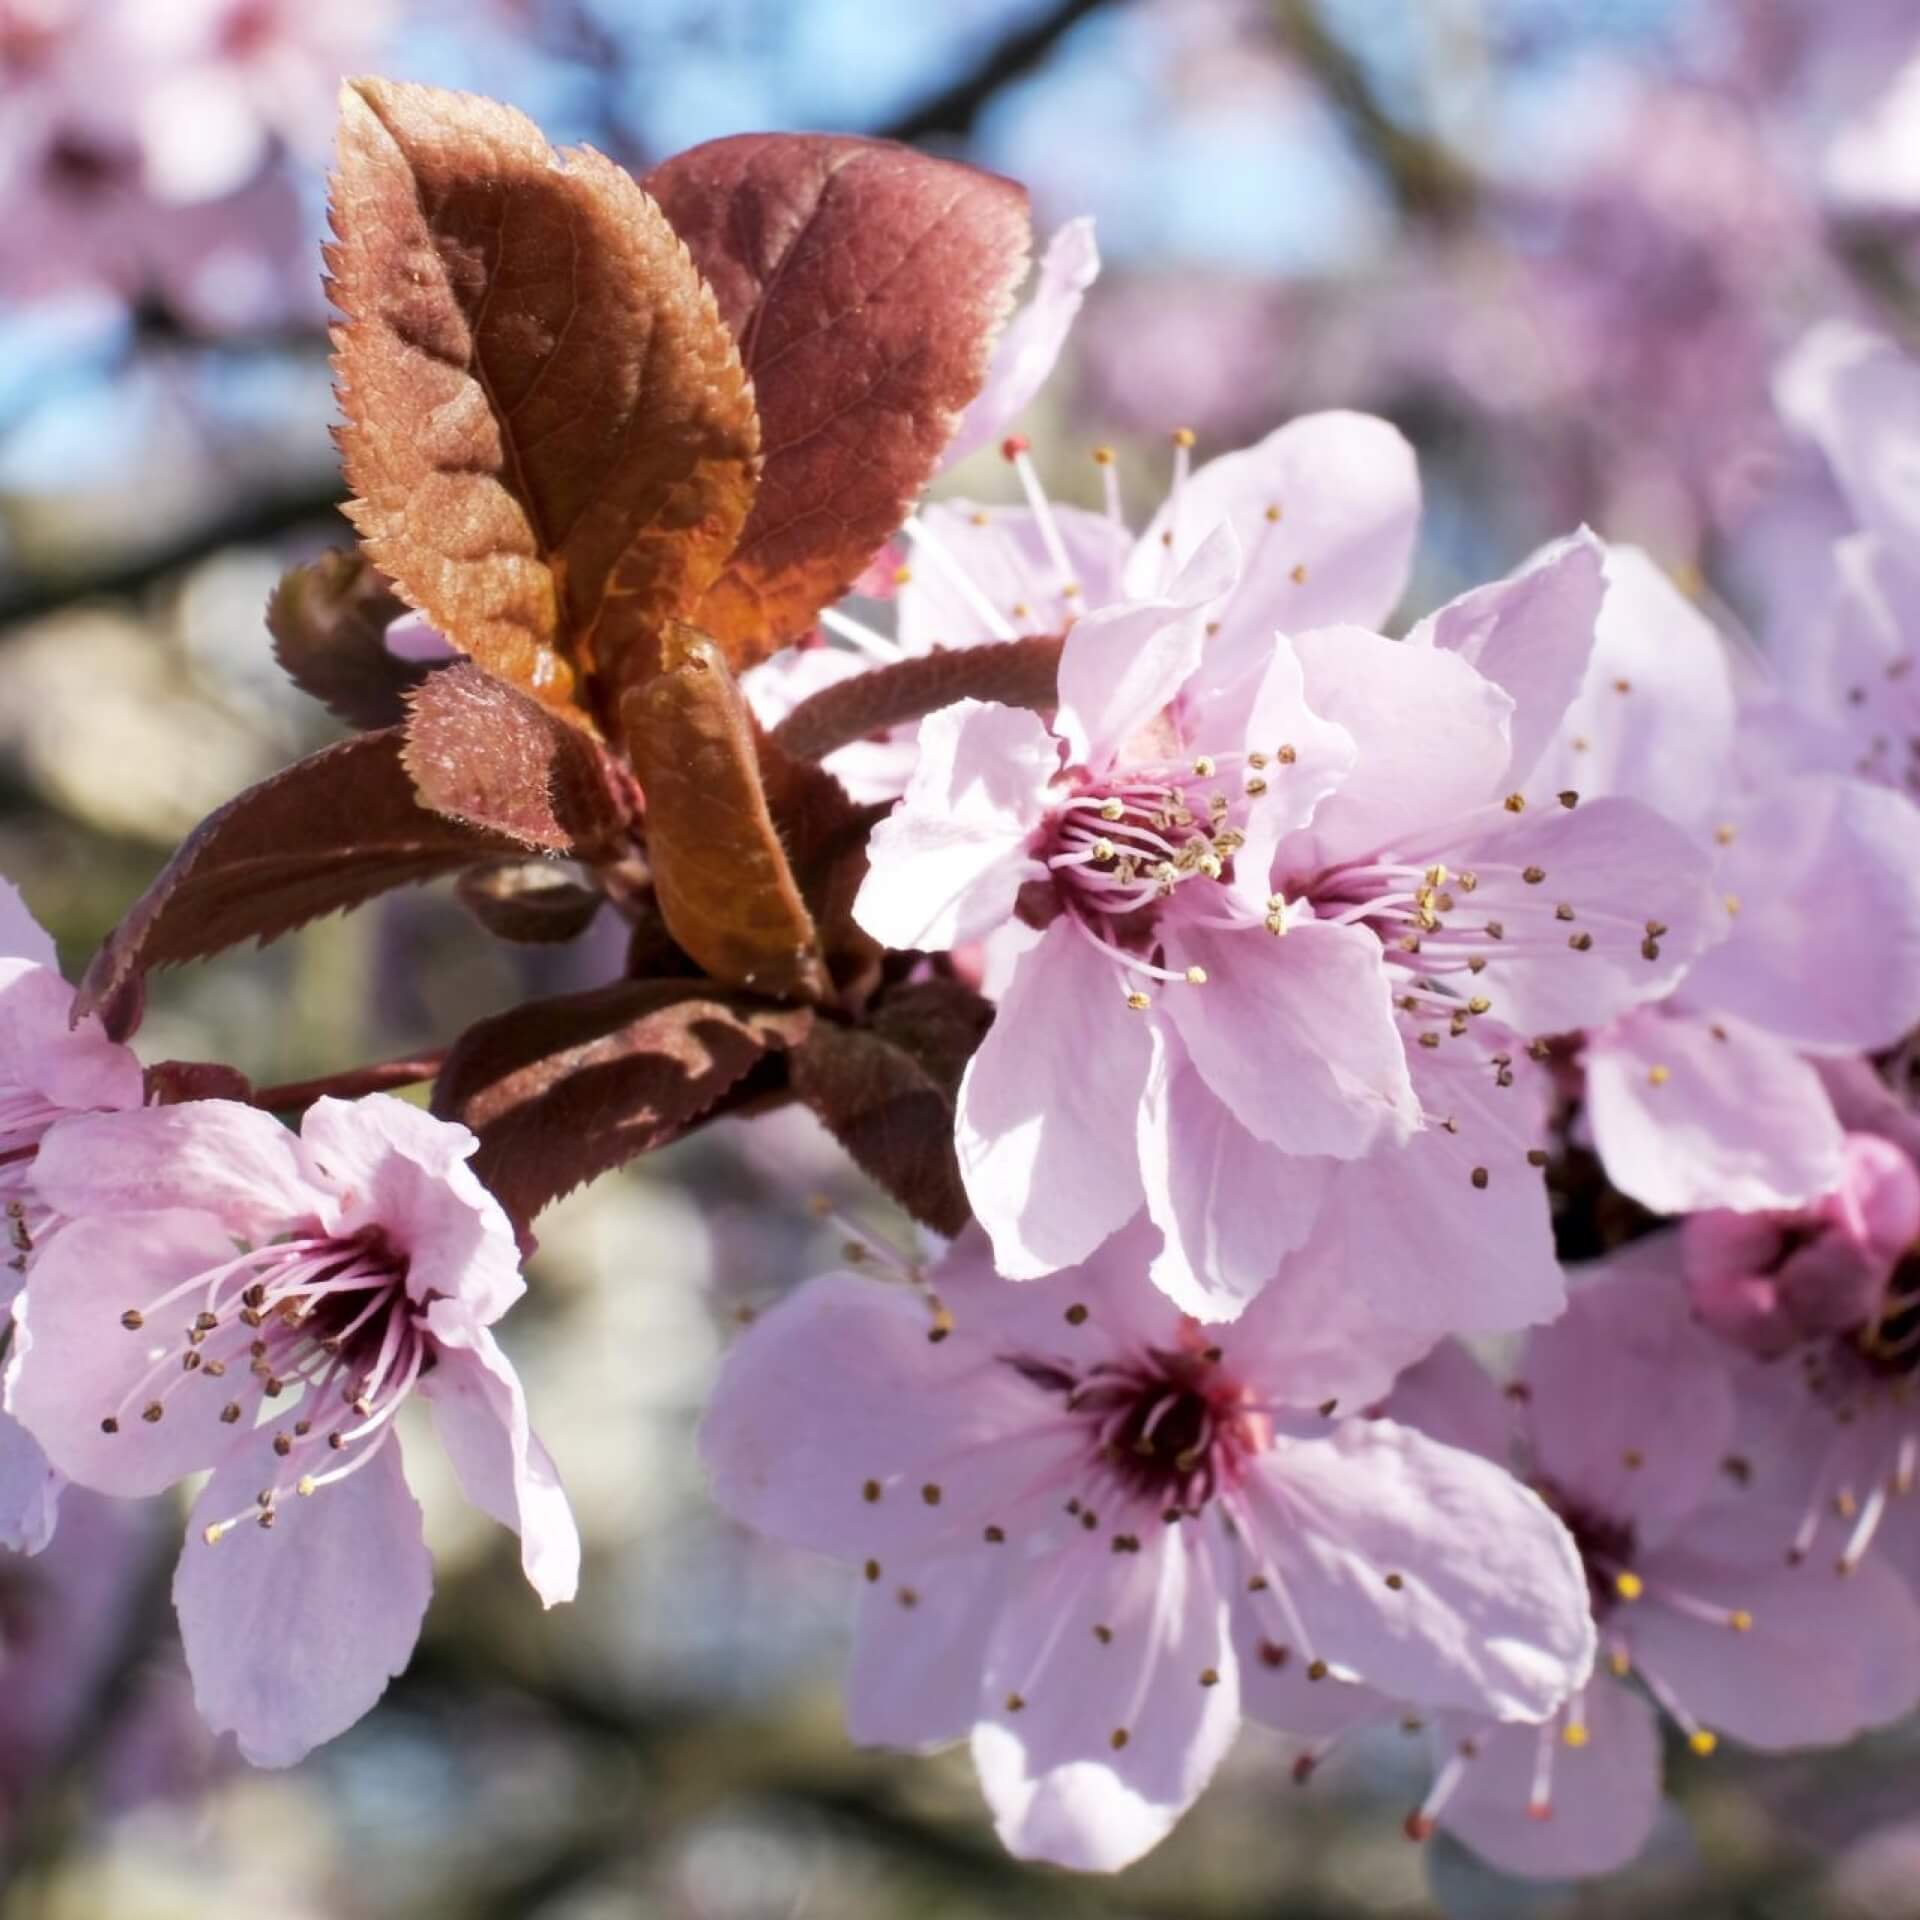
(561, 1090)
(530, 901)
(486, 753)
(719, 871)
(547, 426)
(329, 623)
(887, 1093)
(865, 283)
(325, 833)
(1016, 673)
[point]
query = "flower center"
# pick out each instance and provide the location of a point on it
(1167, 1428)
(322, 1322)
(1890, 1341)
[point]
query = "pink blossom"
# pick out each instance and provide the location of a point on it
(1623, 1417)
(1027, 350)
(1708, 1099)
(1767, 1281)
(1267, 862)
(226, 1294)
(1095, 1532)
(49, 1069)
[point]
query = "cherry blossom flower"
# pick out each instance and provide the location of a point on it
(1094, 1531)
(1305, 861)
(1707, 1099)
(49, 1069)
(226, 1294)
(1622, 1416)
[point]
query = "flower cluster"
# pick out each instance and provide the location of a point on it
(1254, 1006)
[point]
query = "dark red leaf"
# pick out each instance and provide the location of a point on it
(887, 1093)
(329, 624)
(719, 871)
(328, 832)
(1016, 673)
(529, 901)
(562, 1090)
(171, 1081)
(547, 425)
(865, 283)
(486, 753)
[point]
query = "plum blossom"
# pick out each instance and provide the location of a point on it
(1823, 1303)
(1708, 1098)
(1622, 1416)
(1095, 1532)
(1265, 862)
(49, 1069)
(227, 1294)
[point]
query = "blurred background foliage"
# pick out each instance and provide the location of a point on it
(1561, 242)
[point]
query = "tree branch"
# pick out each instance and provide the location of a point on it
(950, 114)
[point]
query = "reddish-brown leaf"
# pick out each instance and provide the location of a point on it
(865, 283)
(547, 426)
(327, 832)
(529, 901)
(329, 624)
(887, 1093)
(1016, 673)
(562, 1090)
(719, 871)
(486, 753)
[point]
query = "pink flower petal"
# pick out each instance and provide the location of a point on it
(1002, 552)
(292, 1633)
(946, 865)
(1047, 1109)
(1620, 871)
(835, 1413)
(1431, 740)
(1092, 1745)
(1449, 1231)
(1027, 350)
(1630, 1407)
(480, 1410)
(1296, 1035)
(74, 1067)
(1347, 494)
(1818, 855)
(22, 937)
(1689, 1113)
(1605, 1793)
(1490, 1610)
(76, 1363)
(1123, 666)
(1531, 634)
(216, 1156)
(1228, 1206)
(1654, 719)
(920, 1640)
(398, 1170)
(29, 1490)
(1826, 1657)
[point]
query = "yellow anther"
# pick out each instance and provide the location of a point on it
(1203, 766)
(1139, 1002)
(1255, 786)
(1435, 876)
(1724, 833)
(214, 1534)
(1575, 1733)
(1740, 1620)
(1103, 850)
(1256, 759)
(1479, 1004)
(1629, 1586)
(1196, 976)
(1183, 436)
(306, 1485)
(1209, 864)
(902, 576)
(1103, 456)
(1285, 755)
(1111, 810)
(1515, 803)
(1299, 575)
(1273, 513)
(1659, 1076)
(1732, 903)
(1702, 1742)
